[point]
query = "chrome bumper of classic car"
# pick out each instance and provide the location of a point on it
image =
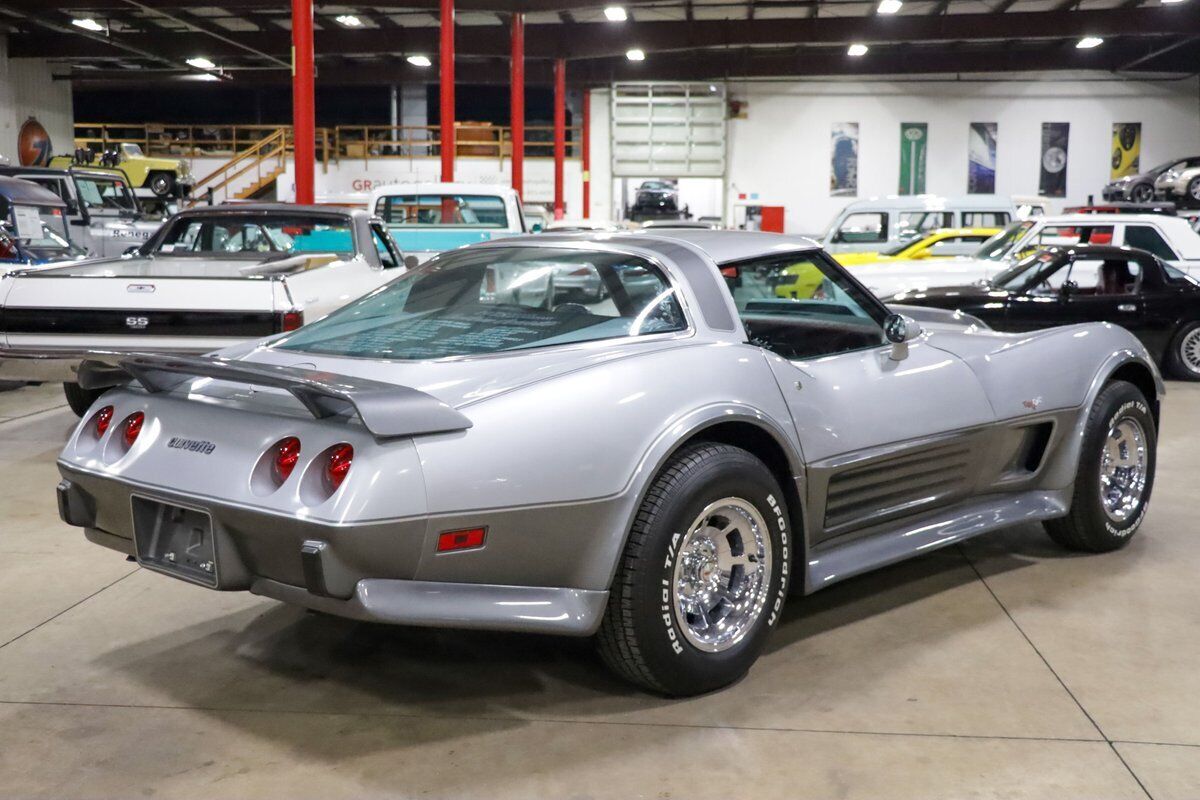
(365, 572)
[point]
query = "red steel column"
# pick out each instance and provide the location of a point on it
(517, 103)
(446, 66)
(587, 153)
(560, 132)
(303, 116)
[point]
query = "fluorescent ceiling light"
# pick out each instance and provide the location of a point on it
(635, 54)
(857, 50)
(206, 76)
(615, 14)
(88, 24)
(419, 61)
(1168, 2)
(1088, 42)
(200, 62)
(889, 6)
(349, 20)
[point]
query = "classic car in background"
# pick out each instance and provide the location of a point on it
(429, 218)
(1170, 238)
(164, 177)
(1140, 188)
(33, 227)
(656, 200)
(102, 212)
(211, 277)
(659, 469)
(1088, 283)
(878, 223)
(537, 216)
(940, 243)
(1180, 185)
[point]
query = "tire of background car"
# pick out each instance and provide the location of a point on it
(711, 505)
(1116, 473)
(80, 399)
(1193, 191)
(1141, 193)
(1183, 357)
(161, 183)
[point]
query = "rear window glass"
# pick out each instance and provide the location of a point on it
(499, 299)
(475, 211)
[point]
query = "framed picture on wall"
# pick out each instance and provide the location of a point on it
(843, 173)
(1053, 180)
(914, 137)
(981, 158)
(1126, 149)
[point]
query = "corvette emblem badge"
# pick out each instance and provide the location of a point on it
(1032, 404)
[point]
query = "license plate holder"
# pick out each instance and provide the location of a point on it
(175, 539)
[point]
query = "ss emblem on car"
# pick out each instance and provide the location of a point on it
(137, 323)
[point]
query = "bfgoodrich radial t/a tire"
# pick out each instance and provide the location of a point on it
(704, 574)
(1116, 473)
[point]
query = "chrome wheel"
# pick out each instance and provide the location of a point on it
(1194, 190)
(1123, 469)
(722, 574)
(1189, 351)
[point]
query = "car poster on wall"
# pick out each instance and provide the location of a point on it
(1053, 180)
(1127, 149)
(913, 138)
(843, 175)
(981, 155)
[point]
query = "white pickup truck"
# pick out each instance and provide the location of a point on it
(209, 278)
(1170, 238)
(430, 218)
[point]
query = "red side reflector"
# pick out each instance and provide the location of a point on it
(729, 272)
(461, 540)
(293, 320)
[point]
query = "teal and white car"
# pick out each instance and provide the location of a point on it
(430, 218)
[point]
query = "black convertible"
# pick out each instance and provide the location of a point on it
(1088, 283)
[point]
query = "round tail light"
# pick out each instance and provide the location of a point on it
(338, 465)
(133, 426)
(102, 420)
(287, 454)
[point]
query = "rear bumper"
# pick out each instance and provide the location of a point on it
(383, 571)
(526, 609)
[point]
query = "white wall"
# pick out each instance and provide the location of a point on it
(782, 150)
(27, 90)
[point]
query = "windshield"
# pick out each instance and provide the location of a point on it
(1020, 273)
(499, 299)
(41, 232)
(474, 211)
(997, 247)
(105, 195)
(130, 150)
(240, 235)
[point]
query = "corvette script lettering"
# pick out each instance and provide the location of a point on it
(192, 445)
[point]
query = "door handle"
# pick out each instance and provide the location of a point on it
(1127, 307)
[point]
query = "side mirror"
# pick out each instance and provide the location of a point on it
(132, 250)
(410, 262)
(900, 330)
(535, 227)
(1069, 288)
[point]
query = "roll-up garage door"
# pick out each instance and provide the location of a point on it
(671, 129)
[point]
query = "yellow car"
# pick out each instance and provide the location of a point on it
(165, 177)
(941, 243)
(799, 281)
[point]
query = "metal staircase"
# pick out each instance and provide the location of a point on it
(247, 174)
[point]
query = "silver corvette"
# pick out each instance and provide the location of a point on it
(657, 465)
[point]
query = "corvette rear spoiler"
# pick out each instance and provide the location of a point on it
(386, 410)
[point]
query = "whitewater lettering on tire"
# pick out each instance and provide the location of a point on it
(785, 555)
(668, 616)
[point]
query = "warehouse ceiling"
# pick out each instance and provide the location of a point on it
(150, 41)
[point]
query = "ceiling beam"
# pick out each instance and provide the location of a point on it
(216, 32)
(601, 40)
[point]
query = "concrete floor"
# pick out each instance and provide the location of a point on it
(1002, 669)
